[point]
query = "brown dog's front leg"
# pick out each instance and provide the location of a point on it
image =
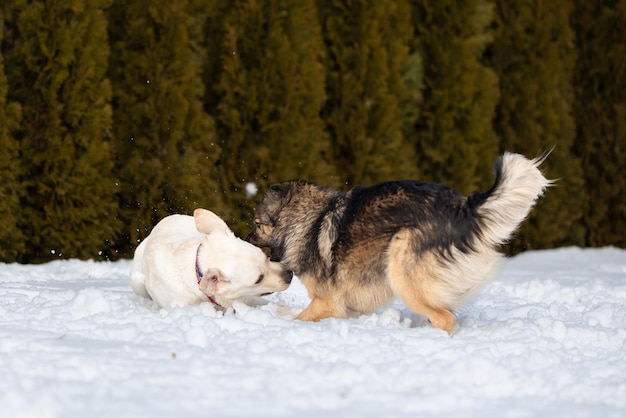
(320, 309)
(442, 319)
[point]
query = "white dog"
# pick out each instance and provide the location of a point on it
(189, 260)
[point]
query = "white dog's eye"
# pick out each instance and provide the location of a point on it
(261, 277)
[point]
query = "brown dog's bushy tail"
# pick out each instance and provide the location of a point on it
(519, 183)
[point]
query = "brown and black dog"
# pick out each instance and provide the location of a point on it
(423, 242)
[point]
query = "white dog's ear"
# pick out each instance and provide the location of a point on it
(209, 223)
(210, 281)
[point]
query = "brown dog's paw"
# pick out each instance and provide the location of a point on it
(320, 309)
(307, 315)
(444, 320)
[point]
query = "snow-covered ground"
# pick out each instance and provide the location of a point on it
(546, 339)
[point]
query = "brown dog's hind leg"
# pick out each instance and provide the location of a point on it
(442, 319)
(438, 317)
(416, 284)
(320, 309)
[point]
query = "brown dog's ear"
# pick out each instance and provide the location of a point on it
(210, 281)
(209, 223)
(281, 190)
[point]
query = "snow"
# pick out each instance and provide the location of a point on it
(547, 338)
(251, 189)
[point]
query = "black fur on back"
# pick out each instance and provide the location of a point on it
(440, 214)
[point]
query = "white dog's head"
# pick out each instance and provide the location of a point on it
(230, 268)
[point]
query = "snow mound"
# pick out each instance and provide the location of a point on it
(547, 338)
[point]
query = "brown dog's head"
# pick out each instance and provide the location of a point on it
(267, 214)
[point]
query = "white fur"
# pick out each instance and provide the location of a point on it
(521, 184)
(164, 265)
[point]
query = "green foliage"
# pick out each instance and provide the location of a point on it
(11, 235)
(368, 59)
(271, 89)
(600, 110)
(454, 134)
(533, 54)
(58, 75)
(114, 114)
(165, 142)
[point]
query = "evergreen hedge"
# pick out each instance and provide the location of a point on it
(11, 236)
(56, 71)
(534, 113)
(270, 85)
(114, 114)
(454, 135)
(367, 59)
(600, 113)
(166, 147)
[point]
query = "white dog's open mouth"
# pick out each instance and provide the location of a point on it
(266, 294)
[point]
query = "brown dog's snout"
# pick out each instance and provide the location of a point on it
(251, 237)
(288, 276)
